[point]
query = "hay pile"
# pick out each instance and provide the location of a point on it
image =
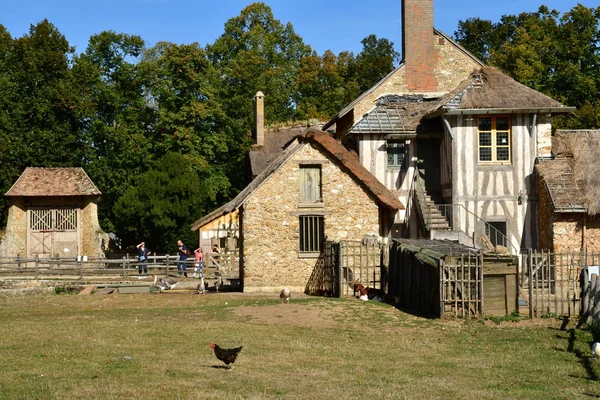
(584, 148)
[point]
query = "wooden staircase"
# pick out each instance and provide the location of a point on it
(432, 216)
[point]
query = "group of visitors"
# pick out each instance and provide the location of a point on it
(144, 252)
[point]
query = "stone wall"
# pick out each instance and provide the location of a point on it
(94, 242)
(561, 232)
(13, 243)
(270, 222)
(453, 67)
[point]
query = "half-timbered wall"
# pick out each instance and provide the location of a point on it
(373, 156)
(492, 191)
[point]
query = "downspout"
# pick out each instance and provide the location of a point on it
(583, 229)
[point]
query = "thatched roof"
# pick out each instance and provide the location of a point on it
(559, 178)
(274, 141)
(337, 154)
(572, 179)
(44, 182)
(488, 88)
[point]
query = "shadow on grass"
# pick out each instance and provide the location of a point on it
(574, 346)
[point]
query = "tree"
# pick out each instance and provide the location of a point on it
(160, 205)
(257, 53)
(557, 55)
(376, 59)
(116, 117)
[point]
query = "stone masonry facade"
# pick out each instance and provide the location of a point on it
(453, 67)
(562, 232)
(270, 222)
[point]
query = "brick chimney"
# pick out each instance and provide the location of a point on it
(259, 119)
(418, 50)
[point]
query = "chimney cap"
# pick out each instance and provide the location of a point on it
(259, 94)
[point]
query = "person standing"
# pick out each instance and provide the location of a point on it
(143, 253)
(199, 267)
(182, 264)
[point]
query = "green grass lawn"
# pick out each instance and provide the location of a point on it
(157, 346)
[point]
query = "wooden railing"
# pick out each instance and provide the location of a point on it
(226, 265)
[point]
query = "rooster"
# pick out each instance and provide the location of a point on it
(228, 356)
(285, 295)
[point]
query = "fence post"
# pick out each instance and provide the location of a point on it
(80, 264)
(167, 264)
(530, 282)
(37, 266)
(339, 272)
(441, 283)
(124, 273)
(585, 293)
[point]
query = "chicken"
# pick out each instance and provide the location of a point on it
(228, 356)
(285, 295)
(596, 350)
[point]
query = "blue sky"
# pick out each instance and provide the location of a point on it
(323, 24)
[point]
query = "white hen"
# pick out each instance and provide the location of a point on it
(285, 295)
(596, 350)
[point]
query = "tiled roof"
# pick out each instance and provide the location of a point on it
(565, 192)
(53, 182)
(338, 154)
(395, 114)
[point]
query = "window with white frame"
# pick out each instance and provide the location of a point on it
(396, 154)
(494, 139)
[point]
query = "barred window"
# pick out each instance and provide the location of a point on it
(311, 233)
(396, 154)
(494, 139)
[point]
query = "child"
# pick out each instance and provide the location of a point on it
(199, 268)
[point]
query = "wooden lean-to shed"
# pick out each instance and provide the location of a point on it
(53, 213)
(438, 277)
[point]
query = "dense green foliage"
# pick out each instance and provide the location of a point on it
(558, 55)
(163, 131)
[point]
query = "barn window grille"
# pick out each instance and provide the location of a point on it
(494, 139)
(311, 233)
(62, 219)
(310, 184)
(396, 154)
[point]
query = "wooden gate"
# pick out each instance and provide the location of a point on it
(353, 261)
(550, 282)
(53, 233)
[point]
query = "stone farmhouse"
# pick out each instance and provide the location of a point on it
(568, 204)
(315, 189)
(456, 141)
(53, 213)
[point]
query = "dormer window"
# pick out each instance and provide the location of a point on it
(494, 139)
(396, 154)
(310, 186)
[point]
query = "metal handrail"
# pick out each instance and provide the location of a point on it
(452, 213)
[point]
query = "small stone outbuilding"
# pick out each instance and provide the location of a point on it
(315, 189)
(53, 214)
(569, 193)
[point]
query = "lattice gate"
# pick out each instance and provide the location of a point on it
(349, 262)
(53, 232)
(551, 282)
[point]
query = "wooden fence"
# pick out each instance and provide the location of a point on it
(227, 265)
(552, 283)
(345, 263)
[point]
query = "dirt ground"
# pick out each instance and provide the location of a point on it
(305, 315)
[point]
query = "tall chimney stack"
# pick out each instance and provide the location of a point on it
(418, 50)
(259, 118)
